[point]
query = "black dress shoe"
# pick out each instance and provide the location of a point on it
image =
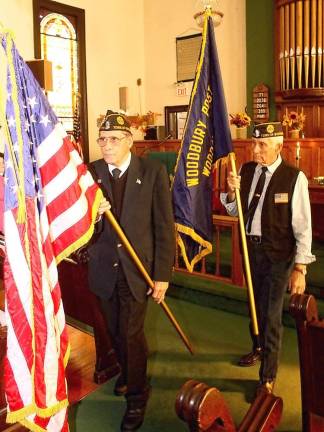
(250, 359)
(120, 388)
(134, 416)
(135, 411)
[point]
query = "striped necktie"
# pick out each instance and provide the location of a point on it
(116, 173)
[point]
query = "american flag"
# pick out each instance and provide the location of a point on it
(51, 202)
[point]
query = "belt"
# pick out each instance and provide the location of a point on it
(254, 239)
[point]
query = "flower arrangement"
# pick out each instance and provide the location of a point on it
(240, 119)
(141, 122)
(294, 120)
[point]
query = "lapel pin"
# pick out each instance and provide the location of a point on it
(99, 181)
(138, 181)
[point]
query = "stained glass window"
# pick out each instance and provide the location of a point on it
(60, 46)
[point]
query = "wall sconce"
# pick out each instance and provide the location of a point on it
(217, 15)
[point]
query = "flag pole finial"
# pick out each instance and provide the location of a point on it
(209, 7)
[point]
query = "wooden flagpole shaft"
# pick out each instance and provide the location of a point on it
(245, 253)
(147, 277)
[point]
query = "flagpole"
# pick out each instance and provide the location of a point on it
(245, 255)
(147, 277)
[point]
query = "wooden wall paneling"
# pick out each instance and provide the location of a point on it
(311, 152)
(242, 150)
(288, 153)
(320, 162)
(321, 119)
(141, 148)
(311, 122)
(315, 159)
(306, 160)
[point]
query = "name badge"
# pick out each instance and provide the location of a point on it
(281, 198)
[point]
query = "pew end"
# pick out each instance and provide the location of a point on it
(310, 332)
(204, 409)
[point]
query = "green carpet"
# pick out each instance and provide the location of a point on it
(219, 338)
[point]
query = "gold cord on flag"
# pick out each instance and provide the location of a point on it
(87, 236)
(20, 175)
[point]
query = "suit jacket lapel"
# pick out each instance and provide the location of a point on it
(134, 176)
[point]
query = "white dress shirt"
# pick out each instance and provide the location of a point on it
(301, 211)
(123, 167)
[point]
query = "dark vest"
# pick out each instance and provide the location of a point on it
(118, 190)
(277, 235)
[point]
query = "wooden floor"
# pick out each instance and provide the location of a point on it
(79, 370)
(81, 365)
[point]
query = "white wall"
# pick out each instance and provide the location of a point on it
(17, 15)
(114, 54)
(167, 19)
(130, 39)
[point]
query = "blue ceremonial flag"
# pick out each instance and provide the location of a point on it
(206, 139)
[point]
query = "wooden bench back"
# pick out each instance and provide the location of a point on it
(310, 331)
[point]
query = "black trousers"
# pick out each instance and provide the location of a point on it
(125, 318)
(270, 281)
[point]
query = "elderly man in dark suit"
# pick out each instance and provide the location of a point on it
(138, 191)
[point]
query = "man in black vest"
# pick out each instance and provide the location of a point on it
(277, 216)
(139, 194)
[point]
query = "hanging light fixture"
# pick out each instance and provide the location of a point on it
(216, 14)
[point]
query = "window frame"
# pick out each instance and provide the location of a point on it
(79, 15)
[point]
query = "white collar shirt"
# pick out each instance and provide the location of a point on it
(123, 167)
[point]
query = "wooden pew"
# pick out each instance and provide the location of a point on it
(310, 331)
(204, 410)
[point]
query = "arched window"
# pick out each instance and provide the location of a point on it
(59, 36)
(59, 45)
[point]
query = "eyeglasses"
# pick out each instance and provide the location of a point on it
(102, 141)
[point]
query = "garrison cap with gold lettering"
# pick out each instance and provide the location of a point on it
(115, 121)
(267, 130)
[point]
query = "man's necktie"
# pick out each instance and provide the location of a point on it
(116, 173)
(254, 201)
